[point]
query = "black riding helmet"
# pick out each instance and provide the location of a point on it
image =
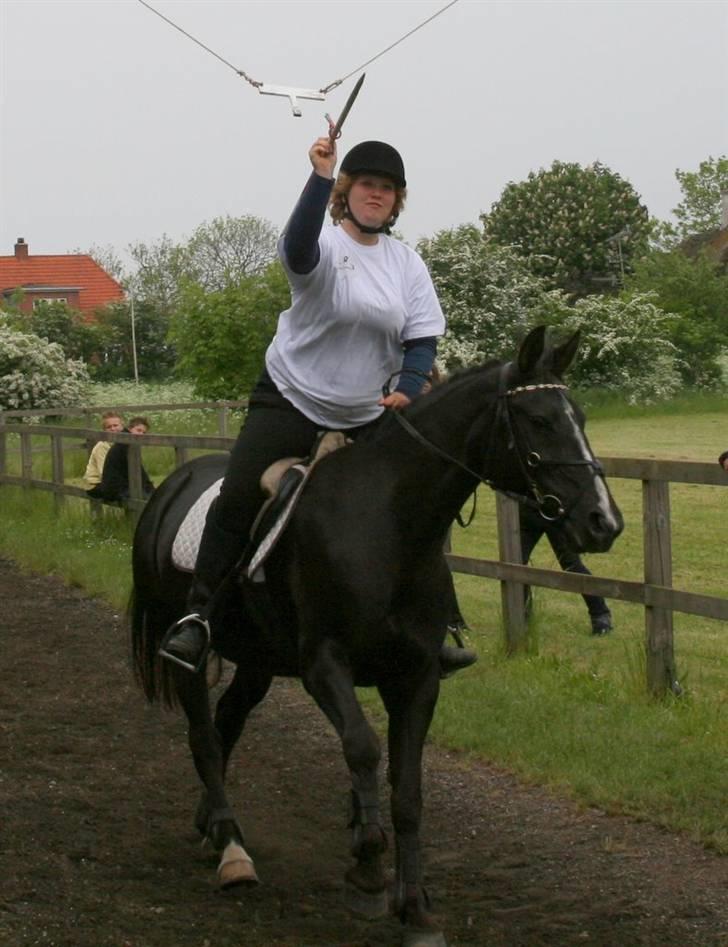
(375, 157)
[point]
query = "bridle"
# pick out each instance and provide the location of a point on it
(548, 505)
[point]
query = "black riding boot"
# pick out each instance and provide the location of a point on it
(459, 657)
(188, 640)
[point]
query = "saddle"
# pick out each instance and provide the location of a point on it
(282, 483)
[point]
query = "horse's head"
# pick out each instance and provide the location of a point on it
(548, 451)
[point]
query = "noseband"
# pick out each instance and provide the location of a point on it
(548, 505)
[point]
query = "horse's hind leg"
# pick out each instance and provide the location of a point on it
(211, 745)
(329, 682)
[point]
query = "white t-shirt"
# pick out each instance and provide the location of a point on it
(342, 337)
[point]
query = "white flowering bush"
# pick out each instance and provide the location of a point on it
(625, 346)
(491, 300)
(490, 297)
(35, 373)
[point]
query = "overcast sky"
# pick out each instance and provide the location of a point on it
(114, 127)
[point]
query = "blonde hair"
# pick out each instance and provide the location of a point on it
(338, 202)
(107, 415)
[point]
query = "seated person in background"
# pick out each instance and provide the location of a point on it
(723, 460)
(533, 527)
(111, 422)
(114, 486)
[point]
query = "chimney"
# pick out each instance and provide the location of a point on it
(724, 210)
(21, 249)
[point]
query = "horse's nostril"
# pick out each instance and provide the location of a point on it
(602, 525)
(598, 523)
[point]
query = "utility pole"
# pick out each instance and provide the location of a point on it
(133, 338)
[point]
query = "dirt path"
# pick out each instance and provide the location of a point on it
(97, 848)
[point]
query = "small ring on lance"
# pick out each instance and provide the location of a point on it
(533, 459)
(332, 126)
(550, 507)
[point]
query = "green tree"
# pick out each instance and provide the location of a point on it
(700, 207)
(694, 294)
(161, 269)
(579, 228)
(57, 322)
(114, 357)
(227, 249)
(219, 254)
(221, 337)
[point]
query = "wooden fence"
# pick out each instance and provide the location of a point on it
(223, 409)
(656, 594)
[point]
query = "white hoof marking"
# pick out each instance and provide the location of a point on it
(236, 867)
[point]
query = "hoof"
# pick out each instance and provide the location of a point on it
(213, 672)
(412, 938)
(240, 871)
(366, 904)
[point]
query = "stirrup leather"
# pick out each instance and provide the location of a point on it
(164, 653)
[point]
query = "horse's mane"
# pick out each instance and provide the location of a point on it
(459, 378)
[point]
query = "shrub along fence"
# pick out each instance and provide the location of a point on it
(655, 593)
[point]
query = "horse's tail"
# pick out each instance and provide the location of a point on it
(149, 615)
(159, 592)
(148, 624)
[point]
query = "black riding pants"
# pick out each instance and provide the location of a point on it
(272, 429)
(533, 527)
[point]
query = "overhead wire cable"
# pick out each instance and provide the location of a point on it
(337, 82)
(324, 89)
(212, 52)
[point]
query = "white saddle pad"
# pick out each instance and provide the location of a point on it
(187, 541)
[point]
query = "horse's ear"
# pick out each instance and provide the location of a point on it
(563, 355)
(531, 350)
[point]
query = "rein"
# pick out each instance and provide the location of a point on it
(549, 506)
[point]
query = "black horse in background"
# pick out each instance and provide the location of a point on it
(357, 593)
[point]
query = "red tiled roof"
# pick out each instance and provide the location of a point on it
(96, 287)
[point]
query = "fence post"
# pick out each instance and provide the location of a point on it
(223, 415)
(57, 468)
(181, 455)
(134, 466)
(509, 549)
(26, 455)
(659, 643)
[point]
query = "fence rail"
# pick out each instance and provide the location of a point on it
(224, 410)
(655, 593)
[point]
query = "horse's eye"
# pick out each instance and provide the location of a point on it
(540, 421)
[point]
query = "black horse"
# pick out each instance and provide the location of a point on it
(357, 592)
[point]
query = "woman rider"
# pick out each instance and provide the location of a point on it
(354, 291)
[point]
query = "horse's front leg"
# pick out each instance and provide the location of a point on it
(410, 704)
(215, 818)
(327, 677)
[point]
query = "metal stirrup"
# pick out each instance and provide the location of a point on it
(205, 625)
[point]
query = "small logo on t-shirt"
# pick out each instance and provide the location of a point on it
(345, 264)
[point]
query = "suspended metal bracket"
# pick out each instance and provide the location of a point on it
(291, 94)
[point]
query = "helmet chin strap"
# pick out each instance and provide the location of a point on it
(383, 228)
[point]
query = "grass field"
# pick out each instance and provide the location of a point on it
(573, 712)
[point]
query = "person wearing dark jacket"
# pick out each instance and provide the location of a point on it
(114, 486)
(532, 528)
